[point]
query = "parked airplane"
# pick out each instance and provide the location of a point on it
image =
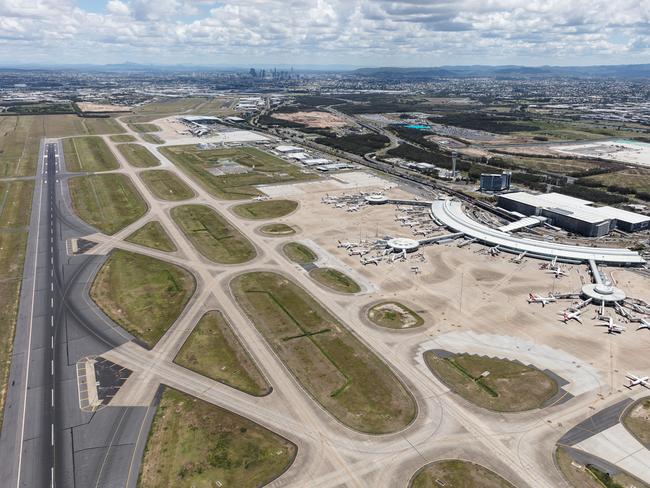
(346, 244)
(340, 205)
(645, 324)
(262, 198)
(571, 315)
(494, 251)
(354, 208)
(558, 271)
(636, 380)
(612, 328)
(581, 305)
(519, 258)
(375, 261)
(535, 298)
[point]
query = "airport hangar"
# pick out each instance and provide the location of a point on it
(574, 214)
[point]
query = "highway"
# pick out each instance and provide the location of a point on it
(46, 440)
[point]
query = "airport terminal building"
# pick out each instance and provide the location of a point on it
(574, 214)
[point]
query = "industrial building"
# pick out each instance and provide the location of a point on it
(574, 214)
(495, 182)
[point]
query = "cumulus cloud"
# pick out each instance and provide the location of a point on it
(401, 32)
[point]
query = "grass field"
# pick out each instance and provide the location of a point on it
(19, 144)
(263, 168)
(213, 350)
(168, 106)
(587, 476)
(102, 125)
(269, 209)
(510, 386)
(152, 139)
(142, 294)
(123, 138)
(15, 199)
(153, 235)
(144, 127)
(88, 153)
(335, 280)
(394, 315)
(637, 420)
(20, 138)
(166, 185)
(299, 253)
(212, 235)
(195, 444)
(277, 230)
(636, 179)
(12, 256)
(138, 156)
(108, 202)
(455, 473)
(338, 371)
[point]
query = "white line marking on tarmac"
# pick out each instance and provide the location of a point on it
(52, 396)
(51, 320)
(52, 434)
(52, 367)
(51, 342)
(51, 302)
(29, 342)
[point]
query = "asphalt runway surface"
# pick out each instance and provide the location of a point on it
(46, 439)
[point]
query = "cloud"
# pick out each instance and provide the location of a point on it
(403, 32)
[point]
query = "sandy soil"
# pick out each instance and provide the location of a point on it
(98, 107)
(319, 120)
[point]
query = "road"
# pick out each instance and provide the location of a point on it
(46, 439)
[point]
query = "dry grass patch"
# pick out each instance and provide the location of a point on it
(335, 280)
(195, 444)
(509, 387)
(277, 230)
(108, 202)
(142, 294)
(394, 315)
(166, 185)
(153, 235)
(138, 156)
(212, 235)
(456, 473)
(299, 253)
(213, 350)
(269, 209)
(88, 154)
(337, 370)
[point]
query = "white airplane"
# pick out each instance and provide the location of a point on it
(566, 316)
(415, 269)
(535, 298)
(581, 305)
(494, 251)
(554, 262)
(558, 271)
(645, 324)
(612, 328)
(340, 205)
(374, 261)
(358, 252)
(636, 380)
(519, 258)
(354, 208)
(261, 198)
(346, 244)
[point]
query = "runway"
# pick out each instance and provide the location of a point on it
(46, 440)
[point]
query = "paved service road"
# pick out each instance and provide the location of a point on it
(46, 439)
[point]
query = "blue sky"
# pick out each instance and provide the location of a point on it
(344, 32)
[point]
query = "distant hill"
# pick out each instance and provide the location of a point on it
(509, 71)
(411, 73)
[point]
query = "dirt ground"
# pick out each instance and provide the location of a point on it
(463, 288)
(99, 107)
(318, 120)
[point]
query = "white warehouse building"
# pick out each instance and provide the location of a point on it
(574, 214)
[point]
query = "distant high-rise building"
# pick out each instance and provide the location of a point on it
(253, 73)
